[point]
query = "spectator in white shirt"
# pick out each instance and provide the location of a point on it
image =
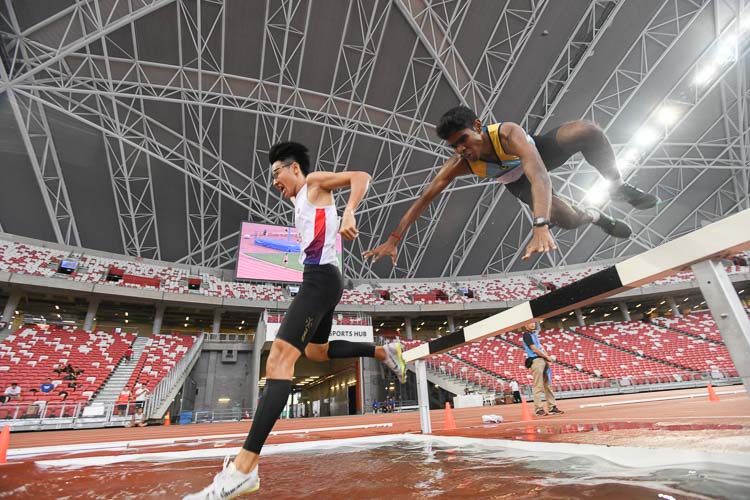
(12, 392)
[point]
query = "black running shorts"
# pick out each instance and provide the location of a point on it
(310, 316)
(552, 155)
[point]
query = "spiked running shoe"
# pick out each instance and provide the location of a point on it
(394, 360)
(634, 196)
(609, 225)
(229, 483)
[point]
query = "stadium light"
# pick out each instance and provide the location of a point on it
(646, 136)
(667, 114)
(57, 307)
(727, 50)
(705, 74)
(126, 313)
(598, 193)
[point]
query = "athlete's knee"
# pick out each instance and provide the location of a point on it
(317, 352)
(283, 355)
(581, 135)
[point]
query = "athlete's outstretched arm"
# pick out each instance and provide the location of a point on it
(516, 142)
(454, 167)
(322, 183)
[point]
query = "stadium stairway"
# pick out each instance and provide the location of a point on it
(450, 383)
(120, 376)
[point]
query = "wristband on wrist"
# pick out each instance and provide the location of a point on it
(397, 236)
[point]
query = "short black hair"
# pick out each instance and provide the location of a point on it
(455, 119)
(294, 151)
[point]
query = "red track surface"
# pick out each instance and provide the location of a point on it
(642, 424)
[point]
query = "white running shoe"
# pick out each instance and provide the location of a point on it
(395, 360)
(229, 483)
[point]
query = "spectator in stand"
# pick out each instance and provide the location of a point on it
(141, 392)
(138, 420)
(375, 406)
(538, 362)
(74, 386)
(59, 369)
(47, 386)
(123, 400)
(128, 355)
(69, 376)
(515, 390)
(12, 392)
(63, 395)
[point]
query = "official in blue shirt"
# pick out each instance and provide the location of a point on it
(538, 361)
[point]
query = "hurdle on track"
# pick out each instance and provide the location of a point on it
(714, 241)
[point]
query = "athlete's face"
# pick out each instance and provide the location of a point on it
(285, 178)
(467, 142)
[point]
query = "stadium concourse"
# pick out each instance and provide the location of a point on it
(537, 210)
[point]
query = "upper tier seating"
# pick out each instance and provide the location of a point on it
(38, 261)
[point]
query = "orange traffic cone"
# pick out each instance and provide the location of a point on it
(525, 412)
(712, 394)
(449, 422)
(4, 443)
(167, 419)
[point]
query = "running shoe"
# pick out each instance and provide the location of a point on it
(555, 411)
(229, 483)
(634, 196)
(394, 360)
(540, 413)
(611, 226)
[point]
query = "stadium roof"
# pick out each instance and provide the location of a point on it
(141, 126)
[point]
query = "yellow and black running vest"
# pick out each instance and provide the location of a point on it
(508, 169)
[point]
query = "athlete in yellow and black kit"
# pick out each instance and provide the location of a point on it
(507, 153)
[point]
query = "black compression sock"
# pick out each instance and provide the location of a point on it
(346, 349)
(273, 401)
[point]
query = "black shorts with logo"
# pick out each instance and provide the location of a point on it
(552, 155)
(310, 316)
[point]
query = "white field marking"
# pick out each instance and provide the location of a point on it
(121, 445)
(626, 456)
(648, 400)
